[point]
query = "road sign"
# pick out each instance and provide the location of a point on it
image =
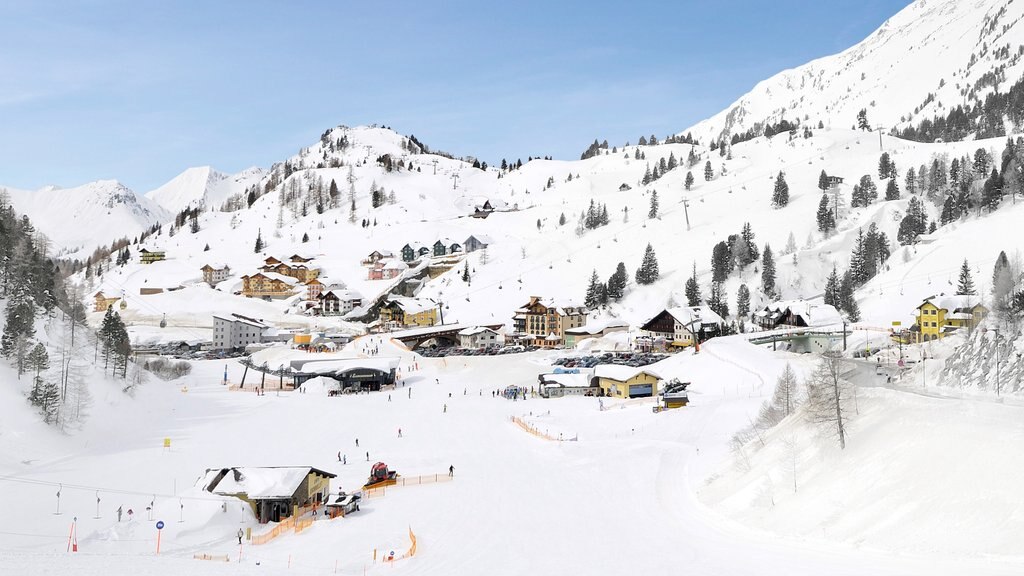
(167, 442)
(160, 525)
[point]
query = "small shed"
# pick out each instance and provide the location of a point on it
(274, 493)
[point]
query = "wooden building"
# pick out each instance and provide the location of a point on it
(268, 285)
(620, 381)
(544, 325)
(274, 493)
(102, 302)
(150, 256)
(214, 274)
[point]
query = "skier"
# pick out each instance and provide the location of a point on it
(445, 409)
(118, 513)
(367, 456)
(339, 455)
(399, 432)
(357, 442)
(344, 460)
(451, 471)
(240, 534)
(389, 397)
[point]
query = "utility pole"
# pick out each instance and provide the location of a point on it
(455, 183)
(435, 167)
(686, 211)
(879, 130)
(835, 198)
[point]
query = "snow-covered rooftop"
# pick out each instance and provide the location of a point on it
(622, 373)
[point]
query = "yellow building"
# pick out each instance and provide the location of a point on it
(150, 256)
(401, 312)
(620, 381)
(102, 303)
(940, 315)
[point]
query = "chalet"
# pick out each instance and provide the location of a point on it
(625, 187)
(274, 493)
(393, 269)
(313, 289)
(441, 247)
(684, 326)
(300, 272)
(833, 181)
(476, 242)
(414, 251)
(574, 336)
(621, 381)
(939, 315)
(296, 259)
(478, 337)
(214, 274)
(338, 302)
(797, 314)
(268, 285)
(270, 262)
(482, 210)
(540, 324)
(567, 383)
(235, 332)
(398, 312)
(377, 256)
(102, 302)
(150, 256)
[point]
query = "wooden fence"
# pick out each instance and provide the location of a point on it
(530, 428)
(288, 524)
(406, 481)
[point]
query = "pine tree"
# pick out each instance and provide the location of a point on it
(857, 272)
(1002, 283)
(693, 296)
(780, 195)
(791, 244)
(823, 181)
(826, 218)
(768, 272)
(561, 219)
(749, 251)
(965, 284)
(617, 282)
(847, 301)
(911, 182)
(259, 242)
(689, 180)
(862, 120)
(593, 297)
(653, 212)
(892, 190)
(721, 262)
(832, 289)
(465, 273)
(884, 166)
(648, 272)
(305, 237)
(709, 172)
(717, 301)
(742, 301)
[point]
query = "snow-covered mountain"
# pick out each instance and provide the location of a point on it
(930, 57)
(86, 216)
(202, 186)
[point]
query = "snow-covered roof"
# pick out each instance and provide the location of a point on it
(240, 319)
(953, 302)
(259, 483)
(598, 327)
(475, 330)
(622, 373)
(275, 276)
(342, 365)
(813, 314)
(344, 295)
(216, 266)
(566, 380)
(413, 305)
(703, 315)
(481, 238)
(396, 265)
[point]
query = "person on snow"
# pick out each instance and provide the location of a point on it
(240, 534)
(344, 460)
(445, 409)
(451, 471)
(399, 432)
(357, 442)
(118, 513)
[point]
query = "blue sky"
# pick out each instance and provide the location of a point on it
(139, 90)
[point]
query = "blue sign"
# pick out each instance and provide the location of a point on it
(160, 525)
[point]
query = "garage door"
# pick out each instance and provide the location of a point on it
(641, 391)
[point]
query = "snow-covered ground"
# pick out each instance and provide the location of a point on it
(621, 499)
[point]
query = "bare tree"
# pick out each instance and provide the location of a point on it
(827, 397)
(784, 399)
